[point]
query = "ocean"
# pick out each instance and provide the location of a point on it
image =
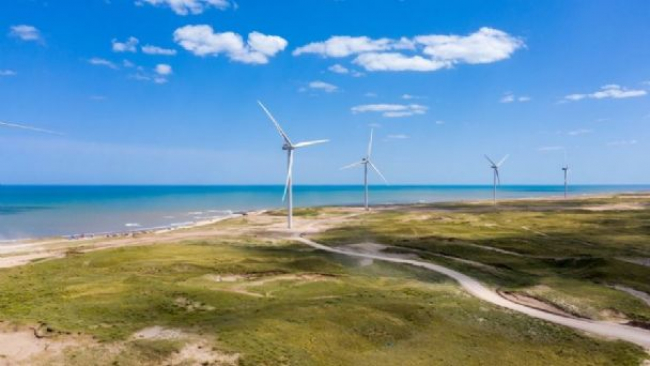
(44, 211)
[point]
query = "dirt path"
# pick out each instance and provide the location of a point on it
(634, 335)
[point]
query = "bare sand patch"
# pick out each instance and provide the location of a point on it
(158, 333)
(243, 284)
(615, 207)
(197, 350)
(21, 345)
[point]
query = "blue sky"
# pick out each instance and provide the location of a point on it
(164, 91)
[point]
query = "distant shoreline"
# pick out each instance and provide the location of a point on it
(7, 245)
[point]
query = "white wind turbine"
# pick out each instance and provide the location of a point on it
(497, 180)
(565, 169)
(365, 162)
(289, 147)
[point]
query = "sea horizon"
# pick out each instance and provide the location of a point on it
(37, 210)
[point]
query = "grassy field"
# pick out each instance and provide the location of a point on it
(278, 303)
(566, 255)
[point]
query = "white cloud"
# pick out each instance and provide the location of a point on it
(411, 96)
(370, 95)
(185, 7)
(102, 62)
(397, 137)
(201, 40)
(155, 50)
(323, 86)
(582, 131)
(550, 148)
(339, 69)
(163, 69)
(622, 143)
(343, 46)
(612, 91)
(485, 46)
(420, 53)
(393, 61)
(128, 64)
(130, 45)
(391, 110)
(7, 73)
(159, 75)
(510, 98)
(25, 33)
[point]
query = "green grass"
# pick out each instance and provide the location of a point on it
(378, 314)
(563, 248)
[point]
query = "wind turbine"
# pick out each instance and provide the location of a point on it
(289, 147)
(565, 168)
(497, 179)
(367, 162)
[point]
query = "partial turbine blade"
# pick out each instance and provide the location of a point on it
(496, 171)
(370, 144)
(503, 159)
(378, 172)
(289, 175)
(352, 165)
(490, 160)
(277, 125)
(24, 127)
(309, 143)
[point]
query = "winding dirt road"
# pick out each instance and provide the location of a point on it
(634, 335)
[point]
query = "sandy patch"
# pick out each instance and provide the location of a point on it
(26, 346)
(197, 350)
(203, 355)
(243, 284)
(157, 333)
(615, 207)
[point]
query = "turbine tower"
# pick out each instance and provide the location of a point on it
(565, 169)
(289, 147)
(497, 180)
(367, 162)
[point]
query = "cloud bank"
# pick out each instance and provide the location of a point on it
(419, 53)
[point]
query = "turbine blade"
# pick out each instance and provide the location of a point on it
(488, 159)
(30, 128)
(503, 159)
(352, 165)
(496, 171)
(370, 143)
(289, 175)
(277, 125)
(378, 172)
(309, 143)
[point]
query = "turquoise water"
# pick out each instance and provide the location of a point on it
(39, 211)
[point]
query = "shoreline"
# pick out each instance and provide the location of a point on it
(76, 237)
(80, 236)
